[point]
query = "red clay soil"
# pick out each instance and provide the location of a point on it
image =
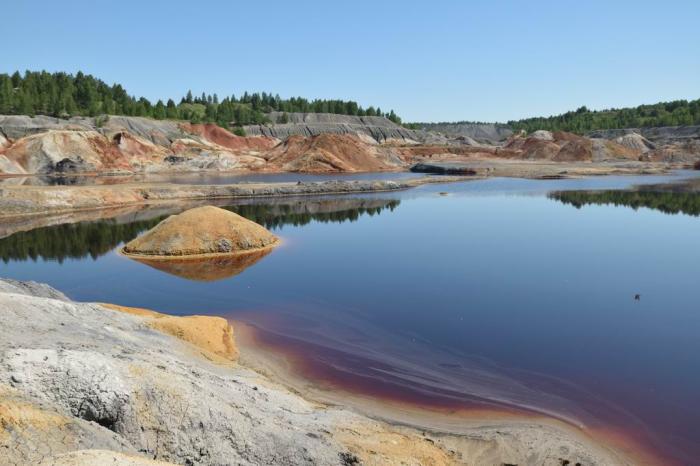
(331, 152)
(222, 137)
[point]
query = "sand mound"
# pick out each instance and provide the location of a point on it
(329, 153)
(201, 232)
(213, 335)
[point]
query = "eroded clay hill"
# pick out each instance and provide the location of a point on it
(566, 147)
(332, 152)
(40, 145)
(118, 144)
(201, 232)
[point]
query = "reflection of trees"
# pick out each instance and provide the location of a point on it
(73, 240)
(667, 202)
(274, 216)
(96, 238)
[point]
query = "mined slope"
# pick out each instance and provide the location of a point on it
(565, 147)
(224, 138)
(331, 152)
(658, 135)
(324, 143)
(38, 145)
(374, 129)
(201, 231)
(487, 133)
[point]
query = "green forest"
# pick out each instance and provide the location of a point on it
(675, 113)
(64, 95)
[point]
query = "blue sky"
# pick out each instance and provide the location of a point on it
(429, 61)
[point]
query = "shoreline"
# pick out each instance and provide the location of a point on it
(165, 396)
(286, 370)
(29, 200)
(26, 201)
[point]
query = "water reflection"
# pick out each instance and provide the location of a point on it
(206, 269)
(669, 202)
(96, 238)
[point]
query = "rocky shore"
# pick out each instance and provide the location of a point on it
(86, 384)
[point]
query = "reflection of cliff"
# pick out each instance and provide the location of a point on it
(75, 236)
(668, 202)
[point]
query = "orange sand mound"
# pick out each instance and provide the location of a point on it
(213, 335)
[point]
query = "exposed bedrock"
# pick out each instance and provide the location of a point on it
(371, 129)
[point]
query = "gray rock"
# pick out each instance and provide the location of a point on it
(30, 288)
(444, 168)
(485, 133)
(378, 129)
(661, 135)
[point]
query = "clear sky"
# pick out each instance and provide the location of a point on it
(434, 60)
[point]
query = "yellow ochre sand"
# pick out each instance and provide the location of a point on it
(201, 232)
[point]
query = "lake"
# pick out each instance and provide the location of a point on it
(488, 293)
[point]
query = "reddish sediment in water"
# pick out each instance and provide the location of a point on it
(338, 371)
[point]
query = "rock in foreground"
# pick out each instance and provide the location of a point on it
(203, 231)
(83, 384)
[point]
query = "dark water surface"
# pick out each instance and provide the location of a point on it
(505, 292)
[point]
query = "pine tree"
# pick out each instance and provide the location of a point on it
(159, 111)
(6, 92)
(171, 110)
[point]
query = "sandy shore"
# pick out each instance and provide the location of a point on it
(460, 425)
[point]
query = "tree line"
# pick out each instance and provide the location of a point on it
(65, 95)
(582, 120)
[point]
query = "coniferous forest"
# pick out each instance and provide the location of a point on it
(675, 113)
(65, 95)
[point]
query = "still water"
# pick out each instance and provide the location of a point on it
(503, 292)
